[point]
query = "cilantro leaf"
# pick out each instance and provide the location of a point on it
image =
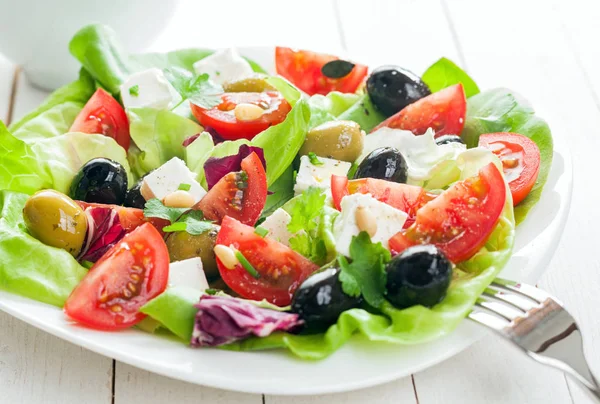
(191, 222)
(366, 273)
(198, 89)
(155, 208)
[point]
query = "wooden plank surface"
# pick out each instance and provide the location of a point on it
(546, 51)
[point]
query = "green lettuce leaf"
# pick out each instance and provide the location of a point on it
(325, 108)
(502, 110)
(28, 267)
(364, 113)
(445, 73)
(159, 136)
(174, 310)
(196, 154)
(52, 162)
(282, 191)
(53, 122)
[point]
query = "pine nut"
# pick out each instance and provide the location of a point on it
(179, 199)
(247, 112)
(226, 256)
(365, 220)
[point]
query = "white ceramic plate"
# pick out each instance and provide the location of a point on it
(358, 364)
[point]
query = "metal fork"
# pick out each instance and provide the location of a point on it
(538, 324)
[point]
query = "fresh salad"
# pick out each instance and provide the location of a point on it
(194, 193)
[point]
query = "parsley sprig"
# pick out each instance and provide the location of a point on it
(197, 89)
(182, 219)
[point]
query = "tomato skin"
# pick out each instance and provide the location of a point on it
(281, 269)
(407, 198)
(460, 220)
(104, 115)
(130, 218)
(444, 111)
(223, 199)
(520, 158)
(131, 273)
(303, 69)
(222, 118)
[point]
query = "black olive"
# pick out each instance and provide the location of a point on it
(391, 88)
(448, 139)
(419, 275)
(134, 198)
(320, 299)
(385, 163)
(100, 180)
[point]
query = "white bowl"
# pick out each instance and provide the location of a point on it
(35, 34)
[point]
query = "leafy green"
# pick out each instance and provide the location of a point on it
(312, 221)
(192, 222)
(53, 122)
(413, 325)
(502, 110)
(198, 89)
(76, 93)
(325, 108)
(364, 113)
(174, 310)
(159, 135)
(155, 208)
(27, 266)
(51, 162)
(282, 191)
(366, 273)
(196, 154)
(445, 73)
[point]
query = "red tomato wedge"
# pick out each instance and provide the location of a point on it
(241, 194)
(407, 198)
(104, 115)
(444, 112)
(222, 117)
(131, 273)
(303, 69)
(130, 218)
(460, 220)
(520, 158)
(281, 270)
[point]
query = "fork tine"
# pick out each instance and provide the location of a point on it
(528, 291)
(487, 319)
(513, 299)
(500, 309)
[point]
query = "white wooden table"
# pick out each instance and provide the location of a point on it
(546, 50)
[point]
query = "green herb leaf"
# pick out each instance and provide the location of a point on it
(261, 231)
(191, 222)
(247, 265)
(314, 160)
(198, 89)
(306, 210)
(134, 90)
(366, 274)
(445, 73)
(155, 208)
(184, 187)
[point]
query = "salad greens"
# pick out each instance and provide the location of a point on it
(445, 73)
(364, 113)
(502, 110)
(29, 267)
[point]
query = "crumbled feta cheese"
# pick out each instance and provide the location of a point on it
(188, 273)
(224, 65)
(389, 221)
(318, 176)
(276, 225)
(167, 178)
(149, 89)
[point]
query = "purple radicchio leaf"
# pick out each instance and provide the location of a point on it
(216, 168)
(104, 231)
(222, 320)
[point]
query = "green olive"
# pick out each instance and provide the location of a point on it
(340, 140)
(183, 245)
(253, 84)
(56, 220)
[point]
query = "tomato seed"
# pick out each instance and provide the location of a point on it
(116, 308)
(131, 287)
(134, 277)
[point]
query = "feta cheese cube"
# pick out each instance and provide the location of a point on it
(276, 225)
(224, 65)
(188, 273)
(318, 176)
(167, 178)
(389, 221)
(149, 89)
